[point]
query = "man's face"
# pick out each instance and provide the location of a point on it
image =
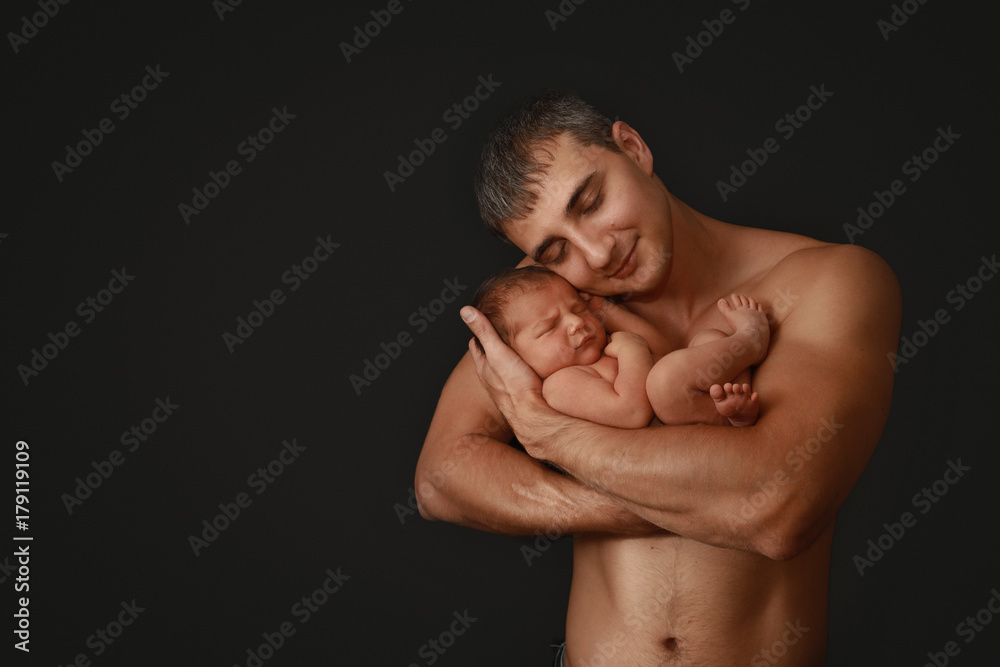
(601, 220)
(554, 329)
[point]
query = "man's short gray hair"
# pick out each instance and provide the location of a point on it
(509, 164)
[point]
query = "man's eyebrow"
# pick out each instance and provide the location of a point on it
(581, 186)
(542, 247)
(575, 197)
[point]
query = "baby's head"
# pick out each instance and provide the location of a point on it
(543, 318)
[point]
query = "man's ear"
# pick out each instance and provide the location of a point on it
(632, 145)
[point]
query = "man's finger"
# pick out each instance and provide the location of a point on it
(476, 347)
(503, 373)
(478, 356)
(477, 351)
(497, 361)
(478, 323)
(481, 328)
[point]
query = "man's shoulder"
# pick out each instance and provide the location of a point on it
(834, 276)
(833, 266)
(786, 257)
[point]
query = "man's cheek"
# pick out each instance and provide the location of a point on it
(585, 281)
(575, 272)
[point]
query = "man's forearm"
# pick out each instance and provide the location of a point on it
(488, 485)
(660, 473)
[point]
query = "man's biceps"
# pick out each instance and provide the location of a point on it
(839, 377)
(494, 425)
(786, 423)
(828, 420)
(465, 408)
(486, 420)
(806, 362)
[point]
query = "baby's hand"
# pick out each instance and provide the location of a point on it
(607, 312)
(623, 340)
(597, 305)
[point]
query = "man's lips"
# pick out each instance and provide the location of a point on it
(625, 270)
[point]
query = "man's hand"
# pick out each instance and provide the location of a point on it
(512, 384)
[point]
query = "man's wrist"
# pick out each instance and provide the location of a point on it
(538, 426)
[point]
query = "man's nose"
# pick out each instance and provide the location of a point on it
(597, 246)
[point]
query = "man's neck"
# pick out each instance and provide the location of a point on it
(704, 263)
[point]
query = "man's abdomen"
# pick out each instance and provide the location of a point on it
(667, 600)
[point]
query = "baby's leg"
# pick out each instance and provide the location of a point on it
(680, 384)
(733, 400)
(675, 398)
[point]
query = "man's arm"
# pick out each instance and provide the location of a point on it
(468, 474)
(774, 487)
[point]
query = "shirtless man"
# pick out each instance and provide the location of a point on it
(694, 544)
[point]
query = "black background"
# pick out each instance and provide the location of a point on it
(344, 502)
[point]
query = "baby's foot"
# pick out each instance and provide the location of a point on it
(748, 320)
(736, 403)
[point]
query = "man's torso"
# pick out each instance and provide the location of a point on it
(665, 599)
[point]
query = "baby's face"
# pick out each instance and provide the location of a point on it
(554, 329)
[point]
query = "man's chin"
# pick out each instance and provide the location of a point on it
(625, 294)
(604, 289)
(619, 290)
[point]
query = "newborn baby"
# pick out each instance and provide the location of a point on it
(558, 333)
